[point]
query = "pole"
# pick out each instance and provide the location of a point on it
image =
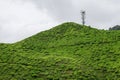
(83, 17)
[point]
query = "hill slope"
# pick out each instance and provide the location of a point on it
(66, 52)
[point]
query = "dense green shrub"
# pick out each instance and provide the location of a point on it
(66, 52)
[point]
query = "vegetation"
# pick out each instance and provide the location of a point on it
(66, 52)
(117, 27)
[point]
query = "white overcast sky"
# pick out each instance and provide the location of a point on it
(22, 18)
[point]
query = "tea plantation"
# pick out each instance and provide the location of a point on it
(69, 51)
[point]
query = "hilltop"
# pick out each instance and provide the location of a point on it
(66, 52)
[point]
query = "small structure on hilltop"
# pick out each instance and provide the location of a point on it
(83, 17)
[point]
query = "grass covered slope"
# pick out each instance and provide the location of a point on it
(66, 52)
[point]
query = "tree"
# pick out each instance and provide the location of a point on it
(117, 27)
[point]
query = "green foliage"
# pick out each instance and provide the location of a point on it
(117, 27)
(66, 52)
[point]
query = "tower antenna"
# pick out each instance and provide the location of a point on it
(83, 17)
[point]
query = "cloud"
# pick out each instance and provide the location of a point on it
(22, 18)
(19, 20)
(99, 13)
(61, 10)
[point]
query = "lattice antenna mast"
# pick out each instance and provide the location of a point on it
(83, 17)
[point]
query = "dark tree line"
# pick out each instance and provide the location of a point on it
(117, 27)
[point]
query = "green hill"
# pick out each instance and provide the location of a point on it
(66, 52)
